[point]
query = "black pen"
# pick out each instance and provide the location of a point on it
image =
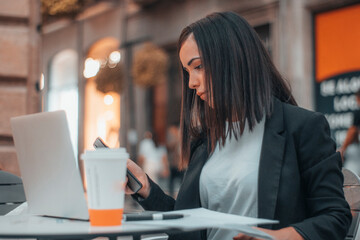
(153, 216)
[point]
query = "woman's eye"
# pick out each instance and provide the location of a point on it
(198, 67)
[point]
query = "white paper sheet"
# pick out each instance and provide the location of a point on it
(201, 218)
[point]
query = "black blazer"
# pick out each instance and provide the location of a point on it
(300, 180)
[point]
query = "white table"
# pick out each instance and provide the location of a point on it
(26, 226)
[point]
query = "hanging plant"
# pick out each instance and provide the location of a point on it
(68, 8)
(149, 66)
(110, 78)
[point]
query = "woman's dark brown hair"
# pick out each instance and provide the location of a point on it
(240, 76)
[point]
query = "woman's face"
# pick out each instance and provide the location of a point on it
(191, 63)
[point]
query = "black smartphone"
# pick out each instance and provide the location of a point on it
(133, 183)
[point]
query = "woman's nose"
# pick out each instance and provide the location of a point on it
(193, 82)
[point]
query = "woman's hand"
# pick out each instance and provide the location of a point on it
(288, 233)
(139, 174)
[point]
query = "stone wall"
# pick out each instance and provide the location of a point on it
(19, 70)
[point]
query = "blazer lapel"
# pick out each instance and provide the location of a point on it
(271, 160)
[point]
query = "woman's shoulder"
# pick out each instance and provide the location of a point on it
(293, 109)
(299, 112)
(297, 116)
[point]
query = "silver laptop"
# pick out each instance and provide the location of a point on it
(52, 182)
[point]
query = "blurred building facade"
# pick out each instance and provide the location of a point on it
(69, 51)
(20, 52)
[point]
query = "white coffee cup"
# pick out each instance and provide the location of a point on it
(105, 174)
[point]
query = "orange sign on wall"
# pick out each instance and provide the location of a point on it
(337, 66)
(337, 42)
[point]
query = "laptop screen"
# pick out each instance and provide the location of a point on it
(51, 179)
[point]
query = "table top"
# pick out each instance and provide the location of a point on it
(27, 226)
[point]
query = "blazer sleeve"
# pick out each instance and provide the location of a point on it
(329, 214)
(157, 199)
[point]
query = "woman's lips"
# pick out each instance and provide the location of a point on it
(202, 95)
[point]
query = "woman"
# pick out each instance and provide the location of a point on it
(248, 149)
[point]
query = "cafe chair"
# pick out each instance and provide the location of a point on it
(352, 195)
(11, 192)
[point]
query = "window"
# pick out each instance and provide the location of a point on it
(62, 92)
